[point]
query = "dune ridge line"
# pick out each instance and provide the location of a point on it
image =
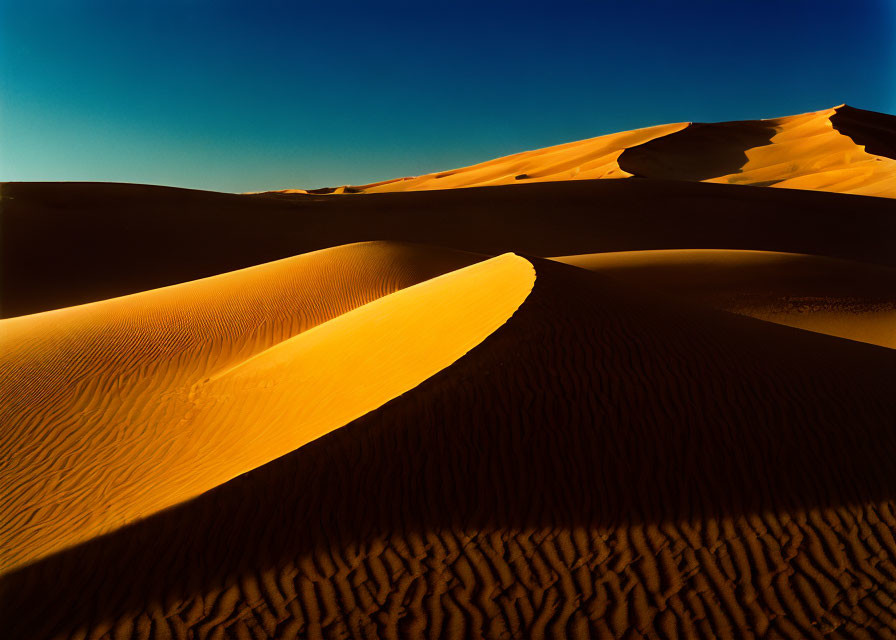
(186, 435)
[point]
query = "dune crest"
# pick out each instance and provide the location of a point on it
(806, 151)
(107, 442)
(580, 160)
(603, 465)
(809, 152)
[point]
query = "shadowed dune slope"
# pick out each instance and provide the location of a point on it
(698, 152)
(874, 131)
(114, 410)
(116, 239)
(603, 465)
(837, 297)
(842, 149)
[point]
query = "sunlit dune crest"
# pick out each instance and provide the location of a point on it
(600, 437)
(809, 151)
(581, 160)
(151, 399)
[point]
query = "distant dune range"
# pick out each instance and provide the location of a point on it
(842, 149)
(389, 415)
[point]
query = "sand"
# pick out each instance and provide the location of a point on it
(822, 150)
(602, 465)
(201, 234)
(581, 160)
(841, 298)
(809, 152)
(390, 415)
(196, 395)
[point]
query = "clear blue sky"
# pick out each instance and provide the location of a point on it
(261, 95)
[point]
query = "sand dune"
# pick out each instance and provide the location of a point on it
(581, 160)
(91, 228)
(300, 415)
(603, 465)
(823, 150)
(840, 298)
(795, 152)
(140, 402)
(808, 152)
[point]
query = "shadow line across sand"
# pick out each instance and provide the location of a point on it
(590, 408)
(874, 131)
(700, 151)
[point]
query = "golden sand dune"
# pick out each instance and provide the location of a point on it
(114, 410)
(837, 297)
(581, 160)
(202, 233)
(603, 465)
(809, 151)
(233, 416)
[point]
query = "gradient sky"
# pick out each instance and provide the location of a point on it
(263, 95)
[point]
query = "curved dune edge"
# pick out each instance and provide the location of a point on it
(178, 334)
(605, 465)
(839, 298)
(805, 151)
(580, 160)
(808, 152)
(174, 438)
(75, 379)
(43, 221)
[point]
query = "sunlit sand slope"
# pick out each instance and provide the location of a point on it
(837, 297)
(807, 151)
(797, 152)
(581, 160)
(810, 152)
(110, 237)
(604, 465)
(114, 410)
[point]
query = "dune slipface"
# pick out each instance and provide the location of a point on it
(382, 412)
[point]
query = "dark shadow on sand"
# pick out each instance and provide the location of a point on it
(697, 152)
(63, 244)
(875, 131)
(590, 408)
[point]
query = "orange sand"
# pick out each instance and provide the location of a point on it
(796, 152)
(605, 464)
(248, 421)
(807, 152)
(196, 395)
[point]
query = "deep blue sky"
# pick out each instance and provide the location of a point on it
(259, 95)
